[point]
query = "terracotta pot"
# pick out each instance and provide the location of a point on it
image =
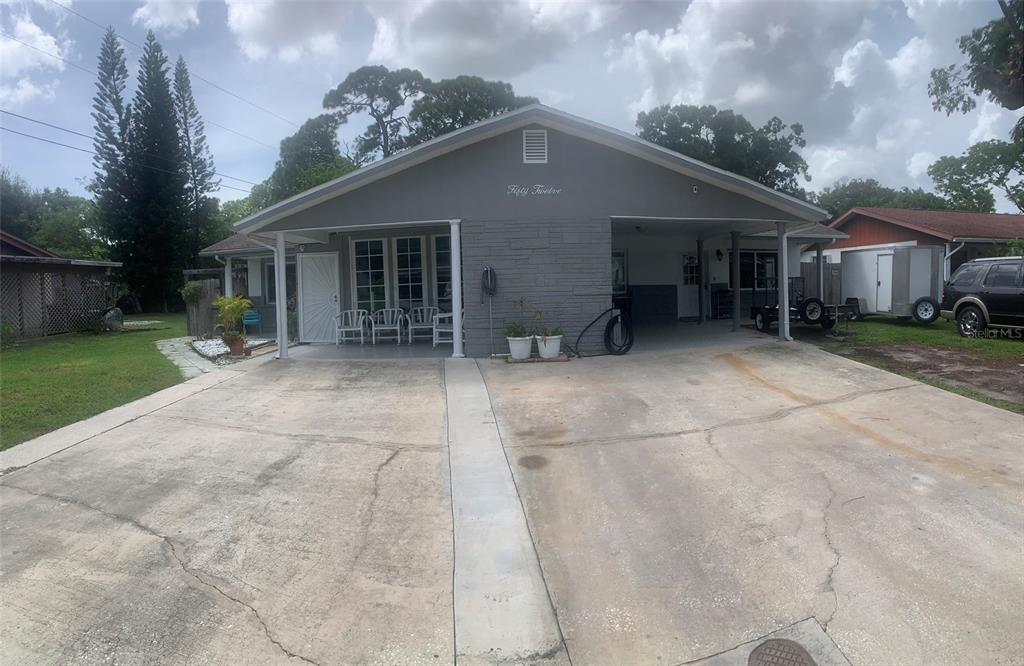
(235, 343)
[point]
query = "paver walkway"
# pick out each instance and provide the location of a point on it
(180, 351)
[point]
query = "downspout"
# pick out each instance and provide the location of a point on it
(945, 260)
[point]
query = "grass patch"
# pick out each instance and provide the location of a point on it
(48, 383)
(941, 333)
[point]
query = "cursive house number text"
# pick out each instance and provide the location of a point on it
(533, 190)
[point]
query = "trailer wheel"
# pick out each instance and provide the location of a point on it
(828, 323)
(761, 321)
(926, 310)
(811, 311)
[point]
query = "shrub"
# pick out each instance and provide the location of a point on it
(192, 292)
(516, 329)
(230, 312)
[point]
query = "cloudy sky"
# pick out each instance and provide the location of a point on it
(854, 73)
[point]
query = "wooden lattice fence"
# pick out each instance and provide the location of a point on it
(40, 299)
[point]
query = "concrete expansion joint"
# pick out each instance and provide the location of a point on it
(172, 549)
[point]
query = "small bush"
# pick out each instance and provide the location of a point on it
(516, 329)
(230, 312)
(192, 292)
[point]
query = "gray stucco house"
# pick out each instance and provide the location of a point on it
(552, 202)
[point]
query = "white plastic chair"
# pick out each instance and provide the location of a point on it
(420, 319)
(350, 322)
(387, 319)
(444, 328)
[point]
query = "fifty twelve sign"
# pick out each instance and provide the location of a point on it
(533, 191)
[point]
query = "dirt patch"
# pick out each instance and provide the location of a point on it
(999, 379)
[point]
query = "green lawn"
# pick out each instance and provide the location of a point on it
(940, 333)
(51, 382)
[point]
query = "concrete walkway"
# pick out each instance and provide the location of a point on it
(180, 351)
(502, 609)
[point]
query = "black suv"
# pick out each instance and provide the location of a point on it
(986, 292)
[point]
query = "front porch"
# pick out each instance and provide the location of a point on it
(348, 351)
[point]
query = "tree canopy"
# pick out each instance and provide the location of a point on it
(968, 180)
(869, 193)
(995, 67)
(727, 140)
(452, 104)
(381, 94)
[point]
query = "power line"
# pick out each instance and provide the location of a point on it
(89, 71)
(91, 152)
(47, 53)
(194, 75)
(89, 136)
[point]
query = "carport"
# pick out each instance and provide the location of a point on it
(692, 269)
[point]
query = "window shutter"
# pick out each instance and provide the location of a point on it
(535, 146)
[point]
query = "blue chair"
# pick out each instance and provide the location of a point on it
(252, 318)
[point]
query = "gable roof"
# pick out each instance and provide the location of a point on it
(529, 115)
(945, 224)
(238, 244)
(23, 246)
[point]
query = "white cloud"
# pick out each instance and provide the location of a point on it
(26, 72)
(988, 125)
(290, 30)
(917, 165)
(449, 37)
(169, 16)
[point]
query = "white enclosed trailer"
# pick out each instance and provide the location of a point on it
(898, 281)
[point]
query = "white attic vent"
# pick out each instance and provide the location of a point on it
(535, 146)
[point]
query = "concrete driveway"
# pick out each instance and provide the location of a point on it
(659, 508)
(684, 503)
(295, 512)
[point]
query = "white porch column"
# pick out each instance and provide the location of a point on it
(821, 271)
(281, 296)
(702, 267)
(783, 281)
(228, 286)
(456, 249)
(735, 268)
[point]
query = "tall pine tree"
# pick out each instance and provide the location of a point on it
(157, 174)
(199, 170)
(112, 117)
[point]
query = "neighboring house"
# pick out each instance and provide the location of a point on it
(569, 214)
(44, 294)
(964, 236)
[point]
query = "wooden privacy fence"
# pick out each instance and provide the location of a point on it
(45, 299)
(201, 316)
(809, 273)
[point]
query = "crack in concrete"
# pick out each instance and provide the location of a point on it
(372, 508)
(827, 584)
(172, 548)
(777, 415)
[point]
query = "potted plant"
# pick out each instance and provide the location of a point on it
(520, 342)
(229, 314)
(549, 342)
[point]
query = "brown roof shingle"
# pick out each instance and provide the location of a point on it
(946, 224)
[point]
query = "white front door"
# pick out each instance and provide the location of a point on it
(883, 297)
(689, 288)
(319, 292)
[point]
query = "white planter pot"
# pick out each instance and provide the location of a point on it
(550, 346)
(520, 348)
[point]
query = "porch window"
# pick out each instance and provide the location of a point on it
(270, 285)
(369, 274)
(443, 273)
(755, 264)
(691, 271)
(619, 279)
(409, 272)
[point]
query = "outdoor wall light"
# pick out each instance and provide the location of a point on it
(695, 189)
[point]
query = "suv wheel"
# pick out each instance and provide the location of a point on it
(926, 310)
(970, 321)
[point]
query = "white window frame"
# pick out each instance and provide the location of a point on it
(434, 300)
(535, 132)
(266, 281)
(352, 269)
(423, 268)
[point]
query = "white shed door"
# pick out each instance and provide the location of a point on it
(319, 290)
(883, 297)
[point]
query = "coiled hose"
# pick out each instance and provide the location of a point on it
(618, 335)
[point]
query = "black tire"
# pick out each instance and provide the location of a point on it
(761, 321)
(828, 323)
(812, 310)
(970, 321)
(926, 310)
